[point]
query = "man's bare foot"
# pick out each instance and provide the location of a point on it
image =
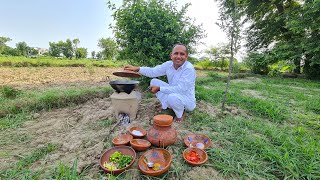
(178, 120)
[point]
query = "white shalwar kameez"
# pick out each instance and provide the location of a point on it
(179, 93)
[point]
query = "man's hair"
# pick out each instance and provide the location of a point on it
(181, 44)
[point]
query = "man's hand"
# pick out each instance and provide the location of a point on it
(132, 68)
(154, 89)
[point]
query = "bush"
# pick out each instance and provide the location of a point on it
(147, 30)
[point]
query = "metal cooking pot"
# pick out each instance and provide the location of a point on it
(123, 85)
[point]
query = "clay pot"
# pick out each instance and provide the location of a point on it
(162, 134)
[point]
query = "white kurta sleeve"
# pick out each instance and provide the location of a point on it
(185, 82)
(159, 70)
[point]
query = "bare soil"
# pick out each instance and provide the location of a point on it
(82, 132)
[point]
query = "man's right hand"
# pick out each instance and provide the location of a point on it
(154, 89)
(132, 68)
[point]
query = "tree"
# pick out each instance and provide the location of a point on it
(81, 53)
(284, 31)
(230, 22)
(93, 54)
(99, 55)
(219, 55)
(22, 48)
(146, 30)
(54, 49)
(109, 48)
(67, 48)
(3, 41)
(33, 52)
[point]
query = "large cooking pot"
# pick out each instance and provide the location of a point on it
(123, 85)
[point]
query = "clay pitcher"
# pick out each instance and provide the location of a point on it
(162, 134)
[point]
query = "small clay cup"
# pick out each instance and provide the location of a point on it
(122, 139)
(203, 156)
(144, 132)
(140, 144)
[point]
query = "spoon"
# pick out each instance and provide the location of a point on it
(149, 164)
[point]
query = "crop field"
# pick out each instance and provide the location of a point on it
(57, 121)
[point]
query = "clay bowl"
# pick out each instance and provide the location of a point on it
(126, 150)
(197, 140)
(202, 154)
(133, 131)
(126, 73)
(140, 144)
(158, 155)
(162, 120)
(122, 139)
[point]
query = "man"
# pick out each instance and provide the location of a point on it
(179, 93)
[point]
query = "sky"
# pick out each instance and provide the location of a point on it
(38, 22)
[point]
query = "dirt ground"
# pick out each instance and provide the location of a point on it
(81, 132)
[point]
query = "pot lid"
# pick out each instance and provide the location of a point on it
(126, 74)
(163, 120)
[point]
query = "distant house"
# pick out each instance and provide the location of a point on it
(41, 51)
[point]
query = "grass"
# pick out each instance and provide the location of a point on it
(62, 171)
(276, 140)
(14, 111)
(20, 61)
(21, 169)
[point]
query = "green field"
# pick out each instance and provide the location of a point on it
(270, 130)
(20, 61)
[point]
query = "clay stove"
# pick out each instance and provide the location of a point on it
(125, 101)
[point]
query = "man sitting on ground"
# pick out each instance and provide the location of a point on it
(179, 93)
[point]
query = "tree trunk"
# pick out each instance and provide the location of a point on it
(230, 71)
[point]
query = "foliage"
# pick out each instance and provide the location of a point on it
(283, 31)
(3, 41)
(258, 63)
(81, 53)
(23, 48)
(219, 52)
(109, 48)
(146, 30)
(222, 64)
(93, 54)
(69, 49)
(282, 66)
